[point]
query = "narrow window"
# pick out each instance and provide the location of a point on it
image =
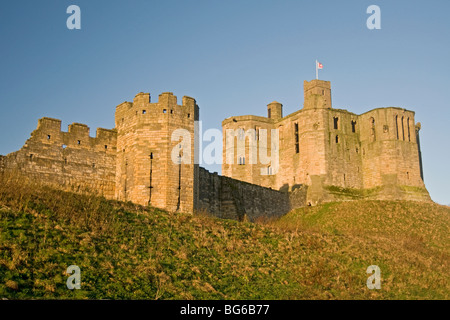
(171, 111)
(93, 165)
(269, 112)
(372, 133)
(344, 177)
(64, 146)
(353, 126)
(31, 157)
(164, 111)
(189, 115)
(106, 147)
(337, 139)
(48, 137)
(65, 160)
(79, 141)
(403, 130)
(396, 126)
(241, 134)
(409, 133)
(297, 147)
(336, 122)
(407, 175)
(144, 111)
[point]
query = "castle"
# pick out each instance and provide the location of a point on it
(323, 154)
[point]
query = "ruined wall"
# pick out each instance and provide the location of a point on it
(228, 198)
(70, 159)
(146, 170)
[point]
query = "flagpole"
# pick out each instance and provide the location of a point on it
(317, 72)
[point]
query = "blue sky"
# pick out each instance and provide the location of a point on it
(233, 57)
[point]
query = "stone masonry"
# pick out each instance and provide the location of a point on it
(325, 154)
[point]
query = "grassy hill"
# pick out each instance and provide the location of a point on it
(126, 251)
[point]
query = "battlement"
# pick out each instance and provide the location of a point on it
(49, 124)
(141, 110)
(49, 131)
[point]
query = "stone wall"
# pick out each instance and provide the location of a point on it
(72, 160)
(228, 198)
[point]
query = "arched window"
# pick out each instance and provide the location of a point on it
(403, 129)
(396, 126)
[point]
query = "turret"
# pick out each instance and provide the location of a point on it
(317, 94)
(275, 110)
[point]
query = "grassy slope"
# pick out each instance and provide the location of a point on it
(125, 251)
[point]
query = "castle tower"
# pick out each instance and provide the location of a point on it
(275, 110)
(155, 152)
(317, 94)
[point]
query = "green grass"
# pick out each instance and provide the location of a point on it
(126, 251)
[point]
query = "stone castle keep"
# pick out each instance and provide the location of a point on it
(325, 154)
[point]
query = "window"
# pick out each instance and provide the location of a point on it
(241, 160)
(396, 126)
(79, 141)
(269, 170)
(64, 146)
(372, 130)
(256, 133)
(337, 139)
(385, 128)
(144, 111)
(241, 134)
(106, 147)
(409, 133)
(164, 111)
(31, 157)
(269, 113)
(297, 147)
(336, 122)
(189, 115)
(353, 126)
(48, 137)
(171, 111)
(403, 130)
(93, 165)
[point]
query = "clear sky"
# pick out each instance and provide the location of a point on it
(233, 57)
